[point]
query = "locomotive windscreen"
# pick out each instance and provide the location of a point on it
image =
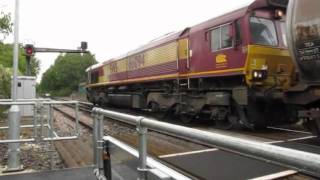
(304, 37)
(278, 3)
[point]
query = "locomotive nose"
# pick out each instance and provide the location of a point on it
(272, 66)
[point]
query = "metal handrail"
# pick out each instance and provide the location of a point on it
(38, 103)
(302, 161)
(19, 100)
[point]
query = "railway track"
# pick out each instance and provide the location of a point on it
(173, 145)
(271, 133)
(74, 153)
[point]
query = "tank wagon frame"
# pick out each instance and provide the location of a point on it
(232, 69)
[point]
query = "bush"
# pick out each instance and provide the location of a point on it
(5, 76)
(62, 78)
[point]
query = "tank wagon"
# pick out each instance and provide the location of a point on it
(232, 69)
(304, 44)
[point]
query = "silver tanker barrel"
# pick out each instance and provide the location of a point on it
(304, 38)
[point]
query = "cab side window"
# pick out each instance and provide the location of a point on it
(215, 39)
(95, 77)
(221, 37)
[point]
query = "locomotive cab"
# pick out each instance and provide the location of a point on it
(268, 65)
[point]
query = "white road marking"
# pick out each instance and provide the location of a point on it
(296, 139)
(290, 130)
(274, 142)
(187, 153)
(290, 140)
(276, 175)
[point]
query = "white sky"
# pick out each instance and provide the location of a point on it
(111, 27)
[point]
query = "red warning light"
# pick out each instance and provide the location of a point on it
(29, 50)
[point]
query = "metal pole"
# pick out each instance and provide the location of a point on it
(15, 53)
(142, 169)
(28, 66)
(50, 119)
(42, 116)
(14, 163)
(77, 119)
(100, 143)
(94, 139)
(14, 134)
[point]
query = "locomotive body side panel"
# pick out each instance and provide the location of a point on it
(159, 61)
(209, 62)
(118, 70)
(184, 55)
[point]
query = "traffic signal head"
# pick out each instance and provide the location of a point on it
(84, 46)
(29, 50)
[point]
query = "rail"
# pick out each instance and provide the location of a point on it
(298, 160)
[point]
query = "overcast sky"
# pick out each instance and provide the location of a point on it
(111, 27)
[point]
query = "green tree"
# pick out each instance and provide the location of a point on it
(65, 75)
(5, 25)
(5, 76)
(6, 50)
(6, 57)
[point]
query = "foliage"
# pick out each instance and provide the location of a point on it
(65, 75)
(6, 59)
(6, 50)
(5, 25)
(5, 76)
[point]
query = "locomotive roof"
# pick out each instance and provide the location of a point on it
(154, 43)
(94, 67)
(225, 18)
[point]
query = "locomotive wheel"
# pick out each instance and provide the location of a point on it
(256, 116)
(155, 109)
(186, 118)
(226, 124)
(100, 102)
(253, 115)
(313, 126)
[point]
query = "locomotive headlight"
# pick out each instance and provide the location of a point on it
(259, 75)
(278, 14)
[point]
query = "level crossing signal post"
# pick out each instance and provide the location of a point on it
(30, 50)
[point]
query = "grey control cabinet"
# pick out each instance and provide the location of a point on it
(26, 90)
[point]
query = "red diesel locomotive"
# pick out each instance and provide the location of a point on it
(231, 69)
